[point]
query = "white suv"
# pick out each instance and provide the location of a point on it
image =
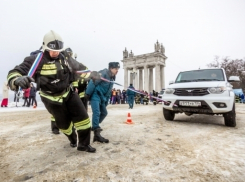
(203, 91)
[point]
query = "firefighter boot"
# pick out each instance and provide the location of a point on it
(54, 128)
(84, 141)
(72, 138)
(98, 137)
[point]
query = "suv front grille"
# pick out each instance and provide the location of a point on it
(191, 91)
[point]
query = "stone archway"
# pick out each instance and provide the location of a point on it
(139, 69)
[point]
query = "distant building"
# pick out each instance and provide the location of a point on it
(137, 66)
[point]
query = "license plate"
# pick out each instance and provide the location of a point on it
(189, 103)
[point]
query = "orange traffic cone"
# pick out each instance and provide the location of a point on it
(34, 106)
(129, 120)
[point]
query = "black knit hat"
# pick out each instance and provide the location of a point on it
(114, 65)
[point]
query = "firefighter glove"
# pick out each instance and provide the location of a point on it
(23, 82)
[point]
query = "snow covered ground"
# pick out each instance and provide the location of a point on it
(190, 148)
(14, 107)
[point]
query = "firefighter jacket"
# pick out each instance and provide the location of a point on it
(137, 98)
(101, 90)
(145, 99)
(53, 76)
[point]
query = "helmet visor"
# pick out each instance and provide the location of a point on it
(55, 45)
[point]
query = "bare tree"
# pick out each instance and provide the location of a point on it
(232, 68)
(215, 63)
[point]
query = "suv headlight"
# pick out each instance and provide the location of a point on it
(216, 90)
(169, 91)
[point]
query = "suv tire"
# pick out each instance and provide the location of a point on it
(230, 117)
(168, 114)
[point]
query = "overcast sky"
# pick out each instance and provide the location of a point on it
(192, 31)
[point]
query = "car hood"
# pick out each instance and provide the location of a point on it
(198, 84)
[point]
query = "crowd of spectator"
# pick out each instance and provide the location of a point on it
(120, 97)
(28, 95)
(240, 98)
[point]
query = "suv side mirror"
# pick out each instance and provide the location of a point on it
(234, 79)
(171, 82)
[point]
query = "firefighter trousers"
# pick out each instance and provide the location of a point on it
(68, 113)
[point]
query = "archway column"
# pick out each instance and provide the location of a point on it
(131, 75)
(146, 79)
(150, 79)
(140, 79)
(136, 79)
(162, 78)
(157, 78)
(125, 78)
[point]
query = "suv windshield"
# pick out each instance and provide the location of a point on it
(200, 76)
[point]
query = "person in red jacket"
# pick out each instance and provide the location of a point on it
(5, 94)
(26, 97)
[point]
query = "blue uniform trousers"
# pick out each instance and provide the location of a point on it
(99, 113)
(131, 101)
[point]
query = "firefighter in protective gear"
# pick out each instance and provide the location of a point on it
(69, 51)
(154, 93)
(54, 128)
(54, 75)
(79, 86)
(99, 93)
(137, 99)
(145, 100)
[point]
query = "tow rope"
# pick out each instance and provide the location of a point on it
(137, 91)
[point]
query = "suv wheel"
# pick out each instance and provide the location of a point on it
(168, 114)
(230, 117)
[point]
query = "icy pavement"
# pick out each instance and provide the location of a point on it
(12, 106)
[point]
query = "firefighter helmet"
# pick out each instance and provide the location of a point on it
(53, 42)
(69, 51)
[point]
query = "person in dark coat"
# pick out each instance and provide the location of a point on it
(131, 94)
(32, 97)
(242, 98)
(26, 97)
(123, 96)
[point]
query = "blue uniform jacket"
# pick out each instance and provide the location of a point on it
(101, 90)
(130, 92)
